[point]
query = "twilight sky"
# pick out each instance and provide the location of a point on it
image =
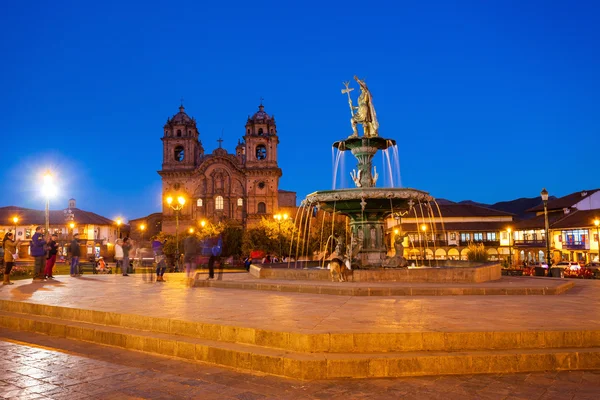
(488, 101)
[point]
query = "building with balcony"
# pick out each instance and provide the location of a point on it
(572, 231)
(96, 233)
(447, 236)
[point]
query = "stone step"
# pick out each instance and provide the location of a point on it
(310, 366)
(343, 289)
(320, 342)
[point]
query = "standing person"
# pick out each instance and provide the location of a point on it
(211, 267)
(10, 249)
(38, 252)
(75, 251)
(190, 252)
(160, 259)
(51, 259)
(247, 263)
(118, 255)
(127, 245)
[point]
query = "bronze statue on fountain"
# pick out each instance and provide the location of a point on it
(366, 205)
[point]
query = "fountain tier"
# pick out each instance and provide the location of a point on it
(368, 209)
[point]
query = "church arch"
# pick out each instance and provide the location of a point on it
(179, 154)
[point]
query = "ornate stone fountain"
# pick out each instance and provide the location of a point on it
(366, 205)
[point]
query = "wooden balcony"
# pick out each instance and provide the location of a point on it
(530, 243)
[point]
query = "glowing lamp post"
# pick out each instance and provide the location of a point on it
(191, 231)
(424, 229)
(509, 230)
(279, 218)
(119, 222)
(203, 223)
(15, 221)
(597, 223)
(544, 194)
(142, 228)
(176, 206)
(48, 190)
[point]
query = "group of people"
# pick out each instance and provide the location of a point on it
(44, 250)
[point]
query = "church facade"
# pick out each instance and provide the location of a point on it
(220, 186)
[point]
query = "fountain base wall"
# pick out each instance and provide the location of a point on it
(470, 274)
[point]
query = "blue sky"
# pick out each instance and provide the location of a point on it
(488, 101)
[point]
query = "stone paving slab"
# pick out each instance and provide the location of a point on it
(32, 367)
(575, 310)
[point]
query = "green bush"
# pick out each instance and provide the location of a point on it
(477, 252)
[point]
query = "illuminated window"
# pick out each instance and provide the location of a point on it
(219, 203)
(240, 202)
(453, 236)
(262, 208)
(199, 203)
(478, 237)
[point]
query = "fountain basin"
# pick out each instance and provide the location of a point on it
(467, 273)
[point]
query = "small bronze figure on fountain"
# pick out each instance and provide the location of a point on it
(364, 113)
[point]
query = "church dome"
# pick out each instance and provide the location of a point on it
(261, 115)
(181, 118)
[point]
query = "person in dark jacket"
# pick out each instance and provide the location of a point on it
(38, 252)
(75, 251)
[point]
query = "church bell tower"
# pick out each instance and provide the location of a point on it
(262, 169)
(181, 147)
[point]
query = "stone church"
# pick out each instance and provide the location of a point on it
(220, 186)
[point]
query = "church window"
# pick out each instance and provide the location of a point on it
(199, 203)
(178, 132)
(179, 153)
(240, 202)
(166, 133)
(262, 208)
(248, 131)
(272, 131)
(261, 152)
(260, 131)
(261, 185)
(219, 202)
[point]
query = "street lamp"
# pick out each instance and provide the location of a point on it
(15, 221)
(191, 231)
(509, 230)
(544, 194)
(142, 228)
(597, 223)
(119, 222)
(48, 190)
(203, 223)
(279, 218)
(424, 229)
(176, 206)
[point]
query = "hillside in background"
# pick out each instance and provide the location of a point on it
(517, 206)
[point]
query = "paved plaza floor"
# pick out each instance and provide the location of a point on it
(576, 309)
(31, 367)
